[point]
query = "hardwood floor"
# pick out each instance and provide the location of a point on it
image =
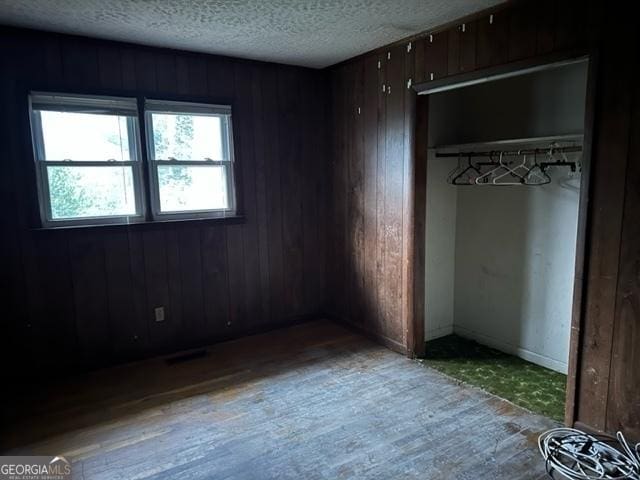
(314, 401)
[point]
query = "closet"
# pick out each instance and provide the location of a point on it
(503, 193)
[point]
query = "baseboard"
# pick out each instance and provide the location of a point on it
(164, 353)
(506, 347)
(377, 337)
(434, 333)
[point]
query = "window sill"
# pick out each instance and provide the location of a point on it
(151, 224)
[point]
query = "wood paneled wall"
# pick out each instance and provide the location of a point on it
(85, 297)
(373, 188)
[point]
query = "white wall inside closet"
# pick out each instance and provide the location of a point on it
(500, 260)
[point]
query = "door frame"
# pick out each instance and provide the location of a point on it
(421, 91)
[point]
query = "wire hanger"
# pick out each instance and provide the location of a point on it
(536, 175)
(559, 163)
(511, 172)
(484, 178)
(462, 178)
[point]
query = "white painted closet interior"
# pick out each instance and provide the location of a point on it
(500, 260)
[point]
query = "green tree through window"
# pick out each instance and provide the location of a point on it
(174, 177)
(71, 199)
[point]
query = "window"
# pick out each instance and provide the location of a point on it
(191, 159)
(89, 161)
(87, 158)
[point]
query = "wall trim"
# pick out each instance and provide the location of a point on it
(438, 332)
(516, 350)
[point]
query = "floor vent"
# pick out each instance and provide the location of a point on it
(185, 357)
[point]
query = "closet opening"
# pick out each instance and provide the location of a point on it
(505, 188)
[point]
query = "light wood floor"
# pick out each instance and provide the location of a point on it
(311, 402)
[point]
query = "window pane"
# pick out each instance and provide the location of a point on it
(184, 188)
(187, 137)
(77, 192)
(84, 136)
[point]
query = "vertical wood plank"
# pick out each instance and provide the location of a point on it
(128, 61)
(250, 243)
(493, 39)
(273, 191)
(581, 266)
(79, 64)
(145, 71)
(312, 222)
(408, 165)
(571, 21)
(394, 195)
(607, 199)
(261, 213)
(453, 50)
(370, 194)
(291, 174)
(546, 26)
(198, 79)
(416, 341)
(109, 67)
(53, 61)
(468, 47)
(139, 287)
(157, 286)
(356, 194)
(623, 405)
(419, 65)
(166, 76)
(220, 79)
(174, 332)
(182, 74)
(91, 297)
(128, 331)
(380, 198)
(191, 285)
(55, 315)
(462, 48)
(216, 281)
(436, 55)
(522, 32)
(322, 172)
(234, 236)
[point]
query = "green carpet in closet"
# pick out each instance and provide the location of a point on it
(530, 386)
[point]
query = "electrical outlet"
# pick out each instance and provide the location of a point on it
(159, 311)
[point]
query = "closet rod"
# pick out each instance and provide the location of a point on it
(512, 153)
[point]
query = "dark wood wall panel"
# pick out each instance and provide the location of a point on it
(291, 187)
(607, 191)
(86, 297)
(623, 408)
(327, 196)
(492, 40)
(370, 163)
(393, 196)
(607, 355)
(370, 194)
(355, 197)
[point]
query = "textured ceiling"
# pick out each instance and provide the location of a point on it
(309, 33)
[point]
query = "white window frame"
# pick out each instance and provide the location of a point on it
(39, 101)
(187, 108)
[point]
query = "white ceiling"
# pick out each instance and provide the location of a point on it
(304, 32)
